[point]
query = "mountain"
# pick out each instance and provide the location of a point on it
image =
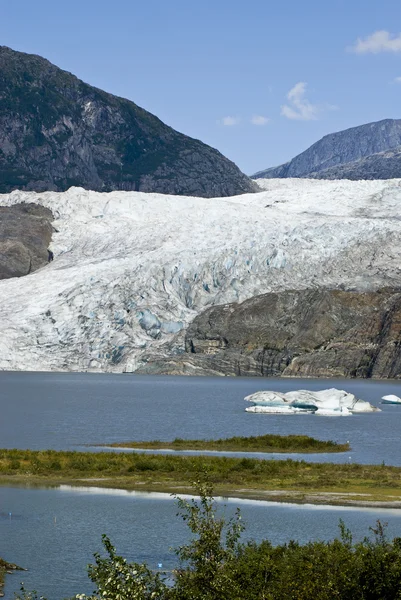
(57, 131)
(357, 153)
(130, 275)
(383, 165)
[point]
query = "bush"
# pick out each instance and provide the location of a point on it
(214, 565)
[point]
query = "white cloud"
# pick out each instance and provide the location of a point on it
(379, 41)
(260, 120)
(397, 80)
(230, 121)
(299, 108)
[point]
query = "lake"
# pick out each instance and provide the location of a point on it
(67, 411)
(55, 532)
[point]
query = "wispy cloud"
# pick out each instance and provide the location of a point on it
(299, 107)
(260, 120)
(397, 80)
(379, 41)
(229, 121)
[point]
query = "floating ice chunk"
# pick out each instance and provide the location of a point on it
(270, 402)
(391, 399)
(268, 398)
(303, 399)
(342, 411)
(284, 409)
(331, 402)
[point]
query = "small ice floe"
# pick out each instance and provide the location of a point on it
(327, 403)
(391, 399)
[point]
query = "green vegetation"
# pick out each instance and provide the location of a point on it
(260, 443)
(215, 565)
(246, 477)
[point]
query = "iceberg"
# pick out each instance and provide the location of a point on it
(326, 403)
(391, 399)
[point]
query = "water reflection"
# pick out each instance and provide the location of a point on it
(55, 532)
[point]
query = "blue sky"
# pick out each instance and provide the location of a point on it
(258, 80)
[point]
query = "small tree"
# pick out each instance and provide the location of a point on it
(117, 579)
(207, 560)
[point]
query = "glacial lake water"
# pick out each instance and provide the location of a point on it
(69, 411)
(54, 532)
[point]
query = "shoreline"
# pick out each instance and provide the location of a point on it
(340, 498)
(289, 480)
(7, 568)
(260, 444)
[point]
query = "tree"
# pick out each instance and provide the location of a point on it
(208, 559)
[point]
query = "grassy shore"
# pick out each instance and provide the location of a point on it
(238, 477)
(260, 443)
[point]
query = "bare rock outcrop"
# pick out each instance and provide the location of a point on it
(311, 333)
(25, 235)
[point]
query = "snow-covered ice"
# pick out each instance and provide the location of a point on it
(391, 399)
(131, 270)
(327, 403)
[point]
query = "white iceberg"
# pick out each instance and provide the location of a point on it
(331, 402)
(391, 399)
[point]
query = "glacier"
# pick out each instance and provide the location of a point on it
(326, 403)
(131, 270)
(391, 399)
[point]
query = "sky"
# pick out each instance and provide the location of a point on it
(258, 80)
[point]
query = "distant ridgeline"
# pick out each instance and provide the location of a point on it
(57, 131)
(371, 151)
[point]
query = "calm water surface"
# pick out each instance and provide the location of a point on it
(67, 411)
(55, 532)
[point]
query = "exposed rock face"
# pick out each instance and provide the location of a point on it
(56, 132)
(340, 155)
(311, 333)
(383, 165)
(25, 235)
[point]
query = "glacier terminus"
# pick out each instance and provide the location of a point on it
(131, 270)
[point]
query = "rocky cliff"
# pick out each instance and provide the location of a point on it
(356, 153)
(310, 333)
(56, 132)
(383, 165)
(25, 235)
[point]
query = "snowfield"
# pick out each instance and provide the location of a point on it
(131, 269)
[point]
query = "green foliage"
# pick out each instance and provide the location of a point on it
(28, 595)
(259, 443)
(117, 579)
(169, 472)
(209, 556)
(214, 565)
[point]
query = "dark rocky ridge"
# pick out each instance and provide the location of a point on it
(25, 235)
(383, 165)
(312, 333)
(356, 153)
(57, 131)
